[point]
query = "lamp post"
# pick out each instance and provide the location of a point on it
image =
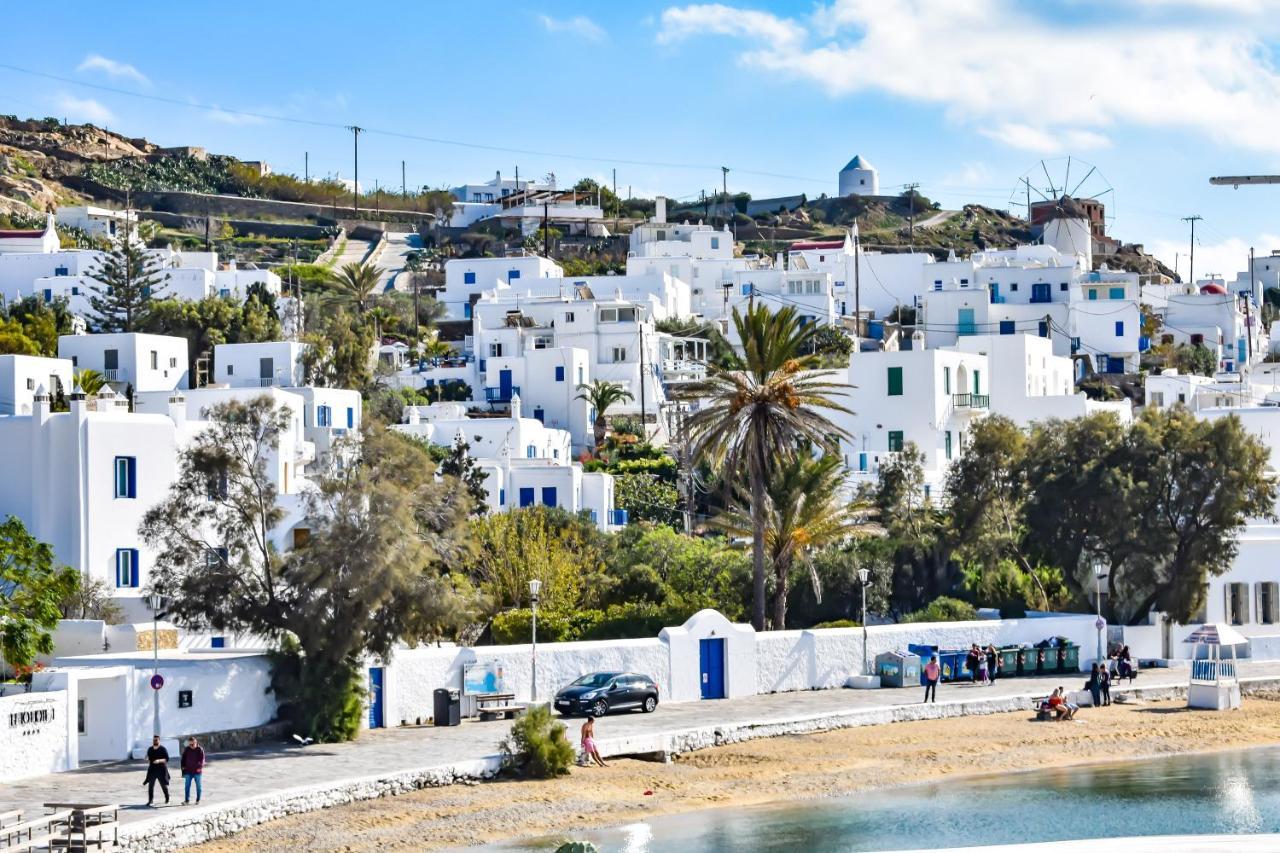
(1099, 574)
(535, 587)
(864, 578)
(155, 601)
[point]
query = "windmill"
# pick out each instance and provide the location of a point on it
(1042, 189)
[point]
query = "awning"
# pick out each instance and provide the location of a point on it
(1214, 634)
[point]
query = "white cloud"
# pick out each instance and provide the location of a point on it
(222, 116)
(1033, 83)
(84, 109)
(969, 175)
(578, 25)
(1225, 258)
(112, 68)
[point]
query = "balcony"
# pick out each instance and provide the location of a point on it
(111, 374)
(500, 395)
(971, 401)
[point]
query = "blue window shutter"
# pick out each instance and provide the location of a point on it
(549, 496)
(218, 643)
(1044, 329)
(502, 497)
(1006, 327)
(560, 374)
(513, 275)
(526, 496)
(133, 478)
(468, 278)
(133, 567)
(351, 418)
(1119, 328)
(466, 311)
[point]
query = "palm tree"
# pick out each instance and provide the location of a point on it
(748, 418)
(807, 510)
(357, 283)
(89, 381)
(601, 395)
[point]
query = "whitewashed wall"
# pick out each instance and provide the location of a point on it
(33, 748)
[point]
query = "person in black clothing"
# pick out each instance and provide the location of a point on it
(157, 770)
(971, 662)
(1104, 683)
(993, 662)
(1095, 685)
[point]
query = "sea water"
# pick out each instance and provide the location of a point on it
(1222, 793)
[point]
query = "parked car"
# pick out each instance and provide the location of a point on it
(599, 693)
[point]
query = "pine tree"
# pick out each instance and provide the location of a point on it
(129, 279)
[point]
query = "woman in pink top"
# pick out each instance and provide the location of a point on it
(589, 750)
(932, 672)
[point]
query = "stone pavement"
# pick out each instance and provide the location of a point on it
(394, 760)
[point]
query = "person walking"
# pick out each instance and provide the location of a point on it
(1095, 685)
(157, 770)
(993, 662)
(1104, 683)
(971, 662)
(984, 671)
(192, 770)
(932, 672)
(589, 750)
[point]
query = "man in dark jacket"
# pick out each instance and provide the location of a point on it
(192, 768)
(157, 770)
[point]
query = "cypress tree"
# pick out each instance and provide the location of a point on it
(129, 279)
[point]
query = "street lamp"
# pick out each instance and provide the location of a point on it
(156, 601)
(1100, 575)
(864, 578)
(535, 587)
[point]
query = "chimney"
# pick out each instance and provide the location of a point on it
(515, 405)
(178, 409)
(40, 405)
(77, 402)
(106, 399)
(411, 415)
(660, 210)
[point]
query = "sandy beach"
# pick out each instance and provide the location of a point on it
(769, 770)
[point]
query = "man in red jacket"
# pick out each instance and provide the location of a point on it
(192, 768)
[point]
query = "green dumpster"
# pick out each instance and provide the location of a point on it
(1069, 658)
(1009, 661)
(1028, 661)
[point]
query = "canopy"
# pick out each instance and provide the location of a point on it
(1215, 634)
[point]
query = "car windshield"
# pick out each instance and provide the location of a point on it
(595, 679)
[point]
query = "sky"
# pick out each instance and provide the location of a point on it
(963, 97)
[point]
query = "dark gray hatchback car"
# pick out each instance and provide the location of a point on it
(600, 693)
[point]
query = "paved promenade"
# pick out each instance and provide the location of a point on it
(265, 782)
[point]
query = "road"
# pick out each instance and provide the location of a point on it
(392, 260)
(352, 253)
(244, 775)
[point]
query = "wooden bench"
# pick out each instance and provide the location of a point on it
(50, 824)
(491, 706)
(41, 842)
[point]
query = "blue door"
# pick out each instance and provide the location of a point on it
(526, 496)
(504, 384)
(375, 697)
(1040, 292)
(964, 322)
(548, 495)
(711, 658)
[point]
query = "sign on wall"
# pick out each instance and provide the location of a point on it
(184, 698)
(33, 716)
(480, 678)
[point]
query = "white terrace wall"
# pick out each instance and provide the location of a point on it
(769, 662)
(33, 735)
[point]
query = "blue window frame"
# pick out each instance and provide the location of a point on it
(48, 295)
(127, 567)
(324, 416)
(482, 363)
(502, 497)
(468, 278)
(526, 496)
(218, 643)
(746, 289)
(1119, 328)
(126, 477)
(1044, 329)
(466, 311)
(715, 242)
(513, 274)
(1093, 294)
(548, 495)
(539, 415)
(560, 373)
(531, 452)
(1116, 293)
(1006, 327)
(351, 417)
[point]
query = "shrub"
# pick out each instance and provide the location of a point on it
(516, 626)
(944, 609)
(838, 623)
(537, 747)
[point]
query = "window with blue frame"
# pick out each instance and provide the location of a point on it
(1116, 293)
(531, 452)
(513, 274)
(1093, 293)
(466, 311)
(526, 496)
(548, 495)
(539, 415)
(218, 643)
(559, 373)
(324, 416)
(1006, 327)
(1119, 328)
(126, 567)
(746, 289)
(351, 418)
(468, 278)
(502, 497)
(1044, 329)
(715, 242)
(126, 477)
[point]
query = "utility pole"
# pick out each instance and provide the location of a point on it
(404, 191)
(1027, 181)
(306, 167)
(1248, 318)
(1193, 219)
(377, 197)
(911, 199)
(644, 429)
(546, 231)
(355, 156)
(857, 282)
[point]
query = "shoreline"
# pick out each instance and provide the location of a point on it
(772, 771)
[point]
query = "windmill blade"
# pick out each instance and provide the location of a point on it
(1092, 169)
(1066, 179)
(1052, 189)
(1036, 190)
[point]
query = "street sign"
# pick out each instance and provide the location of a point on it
(157, 681)
(1100, 624)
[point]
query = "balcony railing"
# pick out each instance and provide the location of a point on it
(500, 395)
(971, 401)
(111, 374)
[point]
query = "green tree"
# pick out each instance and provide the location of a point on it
(340, 352)
(356, 285)
(916, 528)
(602, 396)
(92, 599)
(547, 543)
(460, 465)
(684, 574)
(89, 381)
(32, 586)
(370, 574)
(14, 340)
(750, 417)
(1194, 359)
(128, 278)
(646, 497)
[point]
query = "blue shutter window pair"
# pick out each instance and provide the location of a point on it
(126, 477)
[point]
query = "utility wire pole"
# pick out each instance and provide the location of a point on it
(355, 156)
(1193, 219)
(1248, 318)
(404, 190)
(306, 167)
(911, 199)
(857, 282)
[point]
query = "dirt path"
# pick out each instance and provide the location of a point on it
(784, 768)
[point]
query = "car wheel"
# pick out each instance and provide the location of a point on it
(600, 708)
(650, 704)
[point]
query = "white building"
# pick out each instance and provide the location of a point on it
(22, 375)
(525, 462)
(98, 221)
(859, 177)
(27, 240)
(145, 362)
(260, 365)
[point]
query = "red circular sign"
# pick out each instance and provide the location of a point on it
(157, 681)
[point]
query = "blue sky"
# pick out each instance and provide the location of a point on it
(963, 96)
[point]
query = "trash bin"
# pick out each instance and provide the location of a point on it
(1009, 661)
(924, 653)
(953, 665)
(448, 707)
(898, 669)
(1028, 661)
(1069, 658)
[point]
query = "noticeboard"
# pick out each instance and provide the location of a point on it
(482, 677)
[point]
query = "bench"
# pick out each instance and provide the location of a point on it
(40, 842)
(1133, 673)
(50, 824)
(491, 706)
(95, 825)
(14, 816)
